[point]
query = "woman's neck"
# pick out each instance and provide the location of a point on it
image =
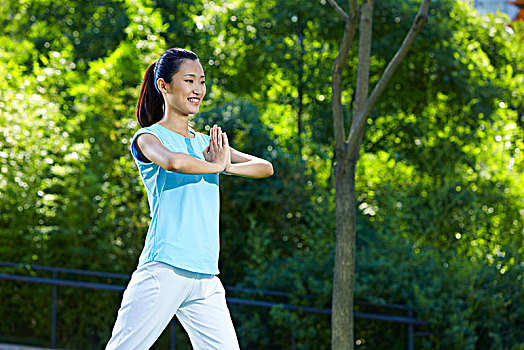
(176, 123)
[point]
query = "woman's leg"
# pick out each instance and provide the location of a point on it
(149, 302)
(206, 318)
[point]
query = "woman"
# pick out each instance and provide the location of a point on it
(176, 273)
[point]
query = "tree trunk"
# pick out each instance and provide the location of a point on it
(344, 277)
(347, 152)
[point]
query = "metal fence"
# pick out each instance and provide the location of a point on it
(55, 281)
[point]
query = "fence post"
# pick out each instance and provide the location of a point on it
(410, 330)
(53, 315)
(172, 342)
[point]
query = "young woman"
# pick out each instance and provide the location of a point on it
(176, 273)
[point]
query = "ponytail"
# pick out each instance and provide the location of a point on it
(150, 107)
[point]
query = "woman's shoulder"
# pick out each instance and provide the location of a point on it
(151, 128)
(156, 129)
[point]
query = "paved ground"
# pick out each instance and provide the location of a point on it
(20, 347)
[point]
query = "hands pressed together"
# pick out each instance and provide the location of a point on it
(218, 151)
(233, 162)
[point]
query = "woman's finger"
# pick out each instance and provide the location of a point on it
(223, 139)
(219, 135)
(213, 139)
(219, 142)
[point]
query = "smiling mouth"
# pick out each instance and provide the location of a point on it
(194, 100)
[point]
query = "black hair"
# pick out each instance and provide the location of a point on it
(150, 107)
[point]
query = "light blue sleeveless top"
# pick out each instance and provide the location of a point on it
(184, 208)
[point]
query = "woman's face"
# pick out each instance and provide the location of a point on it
(186, 90)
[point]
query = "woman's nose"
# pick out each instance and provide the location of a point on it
(197, 88)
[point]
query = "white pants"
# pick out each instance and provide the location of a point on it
(156, 292)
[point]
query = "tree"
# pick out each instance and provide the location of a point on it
(347, 151)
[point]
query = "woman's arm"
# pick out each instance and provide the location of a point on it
(246, 165)
(183, 163)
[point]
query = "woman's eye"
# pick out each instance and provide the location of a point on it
(203, 82)
(190, 81)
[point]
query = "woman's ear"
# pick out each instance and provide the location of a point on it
(162, 86)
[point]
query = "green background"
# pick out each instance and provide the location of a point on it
(439, 181)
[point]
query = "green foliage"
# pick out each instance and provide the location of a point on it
(439, 180)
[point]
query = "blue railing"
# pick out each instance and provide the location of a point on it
(409, 320)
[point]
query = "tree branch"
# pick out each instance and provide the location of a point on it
(353, 9)
(356, 133)
(364, 53)
(339, 10)
(336, 83)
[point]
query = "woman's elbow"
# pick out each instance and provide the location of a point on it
(174, 163)
(269, 169)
